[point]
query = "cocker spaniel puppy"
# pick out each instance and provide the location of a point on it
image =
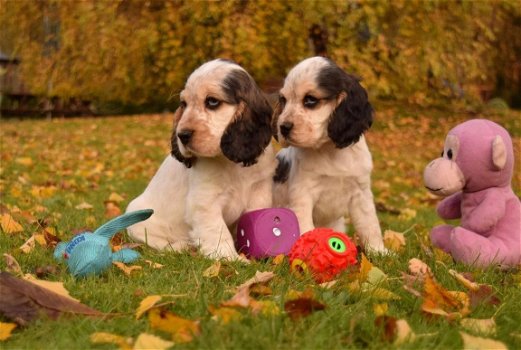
(325, 173)
(222, 164)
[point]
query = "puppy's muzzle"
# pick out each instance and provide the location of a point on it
(185, 136)
(285, 128)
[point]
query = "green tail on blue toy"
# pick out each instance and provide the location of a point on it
(90, 253)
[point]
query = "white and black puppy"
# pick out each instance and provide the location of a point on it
(223, 164)
(325, 172)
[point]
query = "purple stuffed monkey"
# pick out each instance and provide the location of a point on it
(475, 173)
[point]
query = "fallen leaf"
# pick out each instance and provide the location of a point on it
(111, 209)
(302, 307)
(464, 281)
(279, 259)
(241, 298)
(260, 277)
(407, 214)
(439, 301)
(329, 284)
(486, 326)
(182, 330)
(29, 245)
(394, 241)
(23, 301)
(485, 294)
(380, 309)
(24, 161)
(213, 270)
(9, 225)
(478, 343)
(404, 333)
(152, 264)
(115, 197)
(146, 304)
(419, 268)
(380, 293)
(83, 206)
(365, 267)
(146, 341)
(127, 269)
(109, 338)
(56, 287)
(264, 307)
(260, 290)
(12, 265)
(6, 329)
(225, 315)
(388, 325)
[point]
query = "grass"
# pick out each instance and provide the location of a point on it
(48, 168)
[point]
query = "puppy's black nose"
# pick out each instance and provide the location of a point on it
(285, 128)
(185, 136)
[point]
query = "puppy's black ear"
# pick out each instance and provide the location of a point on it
(249, 133)
(174, 148)
(277, 111)
(353, 115)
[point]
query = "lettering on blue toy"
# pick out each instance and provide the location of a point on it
(73, 244)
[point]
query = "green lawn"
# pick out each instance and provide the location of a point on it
(49, 168)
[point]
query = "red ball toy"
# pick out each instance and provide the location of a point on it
(323, 252)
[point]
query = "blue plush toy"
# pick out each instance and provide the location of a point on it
(90, 253)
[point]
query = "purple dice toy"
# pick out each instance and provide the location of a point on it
(267, 232)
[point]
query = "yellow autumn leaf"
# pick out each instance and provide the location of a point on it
(478, 343)
(29, 245)
(264, 307)
(115, 197)
(109, 338)
(407, 214)
(365, 267)
(182, 330)
(394, 241)
(6, 329)
(43, 191)
(213, 270)
(24, 161)
(147, 341)
(380, 309)
(9, 225)
(127, 269)
(464, 281)
(146, 304)
(56, 287)
(225, 315)
(439, 301)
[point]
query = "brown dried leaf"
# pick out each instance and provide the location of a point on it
(23, 301)
(112, 209)
(240, 299)
(483, 295)
(279, 259)
(12, 265)
(302, 307)
(213, 270)
(260, 277)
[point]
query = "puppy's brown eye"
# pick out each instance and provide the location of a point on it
(310, 101)
(182, 104)
(212, 103)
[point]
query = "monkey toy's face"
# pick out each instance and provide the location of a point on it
(443, 175)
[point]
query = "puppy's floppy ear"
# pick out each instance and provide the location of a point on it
(249, 133)
(353, 114)
(277, 111)
(175, 152)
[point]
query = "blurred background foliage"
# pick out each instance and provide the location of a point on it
(139, 53)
